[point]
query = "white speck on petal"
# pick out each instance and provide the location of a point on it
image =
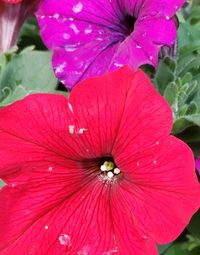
(82, 130)
(88, 30)
(46, 227)
(56, 15)
(70, 47)
(167, 17)
(74, 28)
(138, 46)
(71, 129)
(60, 68)
(151, 57)
(50, 168)
(157, 142)
(77, 8)
(118, 65)
(64, 239)
(70, 107)
(138, 163)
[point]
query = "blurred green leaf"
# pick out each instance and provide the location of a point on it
(31, 70)
(194, 226)
(163, 248)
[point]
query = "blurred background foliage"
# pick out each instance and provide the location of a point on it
(27, 69)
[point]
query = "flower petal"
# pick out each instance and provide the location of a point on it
(164, 32)
(164, 8)
(161, 188)
(43, 132)
(57, 214)
(85, 34)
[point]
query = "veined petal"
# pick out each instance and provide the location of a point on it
(60, 213)
(161, 188)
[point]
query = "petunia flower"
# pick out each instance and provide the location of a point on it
(12, 16)
(90, 38)
(97, 173)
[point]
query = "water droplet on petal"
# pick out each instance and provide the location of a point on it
(50, 168)
(118, 64)
(74, 28)
(70, 47)
(78, 7)
(138, 46)
(88, 31)
(64, 239)
(151, 57)
(56, 15)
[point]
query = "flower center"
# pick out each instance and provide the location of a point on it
(128, 24)
(109, 169)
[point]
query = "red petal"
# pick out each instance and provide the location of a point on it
(47, 217)
(160, 187)
(121, 108)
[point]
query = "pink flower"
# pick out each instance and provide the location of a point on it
(90, 38)
(94, 174)
(198, 164)
(12, 16)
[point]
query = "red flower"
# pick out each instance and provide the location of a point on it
(96, 174)
(12, 16)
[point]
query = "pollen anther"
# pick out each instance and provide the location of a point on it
(109, 169)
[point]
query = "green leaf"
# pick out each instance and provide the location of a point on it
(171, 94)
(189, 48)
(163, 76)
(30, 69)
(177, 249)
(163, 248)
(192, 108)
(13, 95)
(186, 121)
(194, 226)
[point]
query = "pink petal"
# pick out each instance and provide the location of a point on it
(83, 34)
(164, 8)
